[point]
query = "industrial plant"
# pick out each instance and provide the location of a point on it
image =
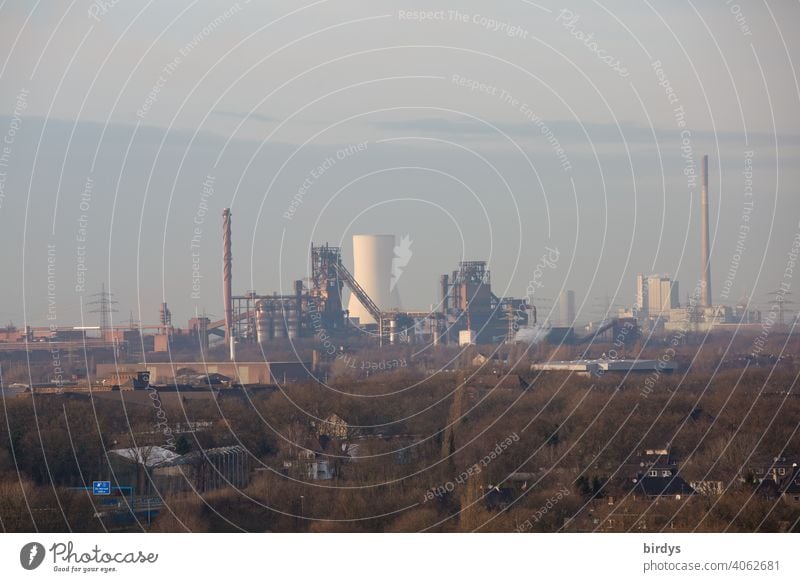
(467, 311)
(657, 305)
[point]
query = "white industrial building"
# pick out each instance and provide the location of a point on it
(662, 295)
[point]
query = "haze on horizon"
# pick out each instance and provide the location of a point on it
(480, 132)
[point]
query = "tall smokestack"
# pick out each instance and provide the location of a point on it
(705, 248)
(444, 286)
(227, 274)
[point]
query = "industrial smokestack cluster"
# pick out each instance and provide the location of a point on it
(705, 247)
(467, 299)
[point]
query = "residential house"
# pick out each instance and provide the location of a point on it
(657, 476)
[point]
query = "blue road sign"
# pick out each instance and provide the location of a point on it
(101, 487)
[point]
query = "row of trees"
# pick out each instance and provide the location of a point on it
(417, 433)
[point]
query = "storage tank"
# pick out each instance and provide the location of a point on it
(372, 269)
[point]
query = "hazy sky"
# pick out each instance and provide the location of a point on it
(487, 131)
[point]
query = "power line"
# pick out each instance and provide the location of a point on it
(105, 305)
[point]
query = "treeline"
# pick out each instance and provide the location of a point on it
(416, 434)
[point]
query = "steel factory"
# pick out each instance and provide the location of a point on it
(467, 311)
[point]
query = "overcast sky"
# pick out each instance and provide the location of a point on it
(487, 131)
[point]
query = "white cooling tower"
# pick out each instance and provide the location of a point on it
(373, 255)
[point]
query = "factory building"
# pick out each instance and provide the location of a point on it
(246, 373)
(662, 295)
(641, 303)
(699, 314)
(698, 318)
(469, 304)
(313, 310)
(316, 307)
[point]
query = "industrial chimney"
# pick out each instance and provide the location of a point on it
(227, 276)
(705, 248)
(444, 286)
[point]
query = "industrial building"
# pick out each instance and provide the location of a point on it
(600, 367)
(657, 298)
(641, 303)
(469, 311)
(316, 310)
(316, 307)
(245, 373)
(662, 295)
(468, 304)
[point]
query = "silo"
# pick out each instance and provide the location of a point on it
(372, 269)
